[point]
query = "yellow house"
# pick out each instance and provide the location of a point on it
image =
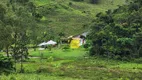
(75, 43)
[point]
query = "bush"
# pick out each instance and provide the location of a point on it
(118, 57)
(65, 47)
(139, 60)
(6, 64)
(78, 0)
(12, 78)
(86, 46)
(50, 59)
(94, 1)
(92, 51)
(47, 69)
(70, 3)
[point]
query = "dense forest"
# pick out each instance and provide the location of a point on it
(117, 34)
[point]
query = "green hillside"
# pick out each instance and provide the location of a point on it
(70, 17)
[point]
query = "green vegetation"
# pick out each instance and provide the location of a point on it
(71, 17)
(117, 34)
(83, 67)
(59, 53)
(113, 50)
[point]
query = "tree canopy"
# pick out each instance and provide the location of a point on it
(118, 33)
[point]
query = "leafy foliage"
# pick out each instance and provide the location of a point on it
(26, 22)
(5, 64)
(117, 33)
(16, 23)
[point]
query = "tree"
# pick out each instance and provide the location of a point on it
(5, 31)
(6, 38)
(16, 21)
(118, 32)
(20, 51)
(22, 23)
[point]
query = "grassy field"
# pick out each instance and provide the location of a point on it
(74, 65)
(71, 17)
(59, 53)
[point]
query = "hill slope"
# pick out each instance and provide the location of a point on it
(70, 17)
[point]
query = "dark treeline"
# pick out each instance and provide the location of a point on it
(118, 34)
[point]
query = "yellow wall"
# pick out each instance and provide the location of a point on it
(75, 43)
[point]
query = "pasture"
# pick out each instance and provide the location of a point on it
(59, 64)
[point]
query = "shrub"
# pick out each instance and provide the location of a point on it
(12, 78)
(86, 46)
(70, 3)
(65, 47)
(92, 52)
(6, 64)
(94, 1)
(47, 69)
(50, 59)
(78, 0)
(139, 60)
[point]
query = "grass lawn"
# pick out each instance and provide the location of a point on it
(72, 65)
(59, 53)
